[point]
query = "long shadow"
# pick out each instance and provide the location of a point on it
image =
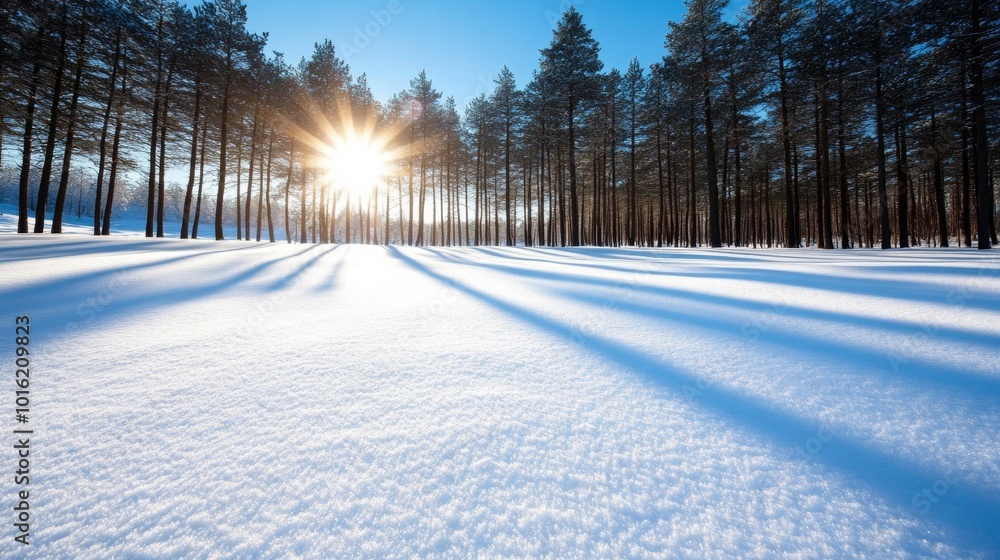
(912, 291)
(899, 365)
(12, 247)
(894, 478)
(45, 250)
(642, 253)
(664, 259)
(298, 271)
(73, 292)
(772, 255)
(333, 272)
(965, 336)
(63, 281)
(909, 370)
(288, 279)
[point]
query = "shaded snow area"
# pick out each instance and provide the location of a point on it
(216, 399)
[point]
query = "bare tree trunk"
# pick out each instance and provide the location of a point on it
(966, 178)
(154, 132)
(113, 173)
(288, 189)
(253, 154)
(692, 198)
(161, 182)
(70, 130)
(527, 203)
(102, 157)
(220, 196)
(902, 178)
(186, 215)
(201, 183)
(825, 138)
(845, 211)
(573, 204)
(714, 236)
(980, 143)
(29, 130)
(239, 181)
(112, 177)
(50, 146)
(883, 200)
(942, 215)
(791, 210)
(260, 195)
(541, 190)
(267, 193)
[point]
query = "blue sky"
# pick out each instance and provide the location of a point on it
(462, 44)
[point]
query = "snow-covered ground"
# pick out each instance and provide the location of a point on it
(201, 398)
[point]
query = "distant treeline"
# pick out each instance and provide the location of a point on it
(835, 123)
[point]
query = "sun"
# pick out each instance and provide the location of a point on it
(356, 163)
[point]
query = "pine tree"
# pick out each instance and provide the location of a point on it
(571, 63)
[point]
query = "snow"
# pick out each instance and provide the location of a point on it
(204, 399)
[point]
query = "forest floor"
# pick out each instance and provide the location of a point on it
(201, 398)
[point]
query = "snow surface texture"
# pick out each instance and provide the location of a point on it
(206, 399)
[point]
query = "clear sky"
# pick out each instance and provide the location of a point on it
(461, 44)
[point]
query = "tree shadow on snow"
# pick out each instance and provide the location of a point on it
(988, 269)
(893, 478)
(91, 297)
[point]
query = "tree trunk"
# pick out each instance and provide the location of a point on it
(239, 181)
(692, 180)
(220, 196)
(70, 130)
(714, 235)
(29, 130)
(939, 200)
(981, 159)
(188, 194)
(288, 190)
(825, 141)
(253, 154)
(154, 133)
(573, 205)
(820, 237)
(161, 182)
(260, 195)
(50, 146)
(966, 178)
(541, 190)
(201, 183)
(845, 211)
(902, 178)
(883, 200)
(113, 173)
(102, 157)
(791, 210)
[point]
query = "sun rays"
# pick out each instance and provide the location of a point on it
(351, 152)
